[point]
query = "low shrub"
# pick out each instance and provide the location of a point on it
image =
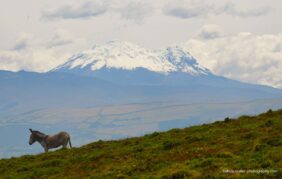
(169, 144)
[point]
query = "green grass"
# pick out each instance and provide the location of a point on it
(247, 143)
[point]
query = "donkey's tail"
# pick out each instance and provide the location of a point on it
(70, 143)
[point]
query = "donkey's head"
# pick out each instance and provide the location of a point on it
(32, 137)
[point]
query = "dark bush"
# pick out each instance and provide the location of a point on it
(154, 134)
(177, 175)
(227, 119)
(269, 111)
(268, 123)
(167, 145)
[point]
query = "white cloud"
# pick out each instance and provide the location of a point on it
(190, 9)
(202, 8)
(37, 59)
(136, 11)
(31, 54)
(231, 9)
(60, 38)
(76, 11)
(23, 41)
(244, 56)
(210, 31)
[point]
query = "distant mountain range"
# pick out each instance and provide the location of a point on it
(119, 89)
(128, 64)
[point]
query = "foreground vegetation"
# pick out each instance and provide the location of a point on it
(243, 145)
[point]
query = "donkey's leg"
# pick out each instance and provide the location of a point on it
(70, 143)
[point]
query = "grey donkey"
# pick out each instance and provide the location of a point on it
(50, 141)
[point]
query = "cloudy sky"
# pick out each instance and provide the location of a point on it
(237, 39)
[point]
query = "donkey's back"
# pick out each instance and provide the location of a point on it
(59, 139)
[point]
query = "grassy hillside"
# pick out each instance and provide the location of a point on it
(247, 143)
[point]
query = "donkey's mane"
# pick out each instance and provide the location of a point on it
(40, 133)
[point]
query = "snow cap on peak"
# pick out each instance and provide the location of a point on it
(128, 56)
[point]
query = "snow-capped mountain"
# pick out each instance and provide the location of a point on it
(127, 56)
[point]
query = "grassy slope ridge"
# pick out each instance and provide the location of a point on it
(249, 142)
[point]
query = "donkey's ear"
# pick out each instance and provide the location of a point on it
(30, 130)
